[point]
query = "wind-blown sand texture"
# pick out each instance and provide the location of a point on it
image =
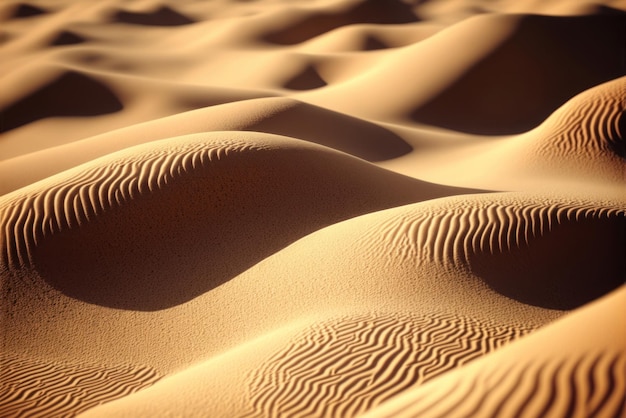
(324, 208)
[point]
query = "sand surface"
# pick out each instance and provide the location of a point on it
(321, 208)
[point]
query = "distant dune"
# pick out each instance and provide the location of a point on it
(326, 208)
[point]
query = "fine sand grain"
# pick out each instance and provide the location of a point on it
(326, 208)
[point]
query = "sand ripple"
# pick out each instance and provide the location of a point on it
(33, 388)
(587, 132)
(320, 208)
(343, 367)
(514, 232)
(589, 386)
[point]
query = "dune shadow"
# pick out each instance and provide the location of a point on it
(163, 16)
(308, 79)
(372, 43)
(574, 264)
(541, 66)
(67, 38)
(130, 259)
(345, 133)
(71, 94)
(28, 10)
(312, 25)
(619, 147)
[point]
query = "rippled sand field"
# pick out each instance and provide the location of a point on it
(312, 208)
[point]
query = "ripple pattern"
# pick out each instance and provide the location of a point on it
(454, 231)
(31, 388)
(83, 194)
(343, 367)
(592, 385)
(592, 122)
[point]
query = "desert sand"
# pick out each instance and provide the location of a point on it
(320, 208)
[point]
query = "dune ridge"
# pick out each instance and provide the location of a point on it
(592, 123)
(148, 180)
(314, 208)
(511, 231)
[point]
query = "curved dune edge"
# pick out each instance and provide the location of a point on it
(574, 367)
(281, 116)
(30, 387)
(580, 145)
(413, 204)
(584, 138)
(333, 366)
(503, 51)
(248, 194)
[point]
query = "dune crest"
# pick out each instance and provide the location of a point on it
(587, 133)
(229, 169)
(322, 208)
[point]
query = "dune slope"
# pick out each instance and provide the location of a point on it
(320, 208)
(567, 374)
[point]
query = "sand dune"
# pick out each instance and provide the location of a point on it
(553, 155)
(567, 375)
(591, 124)
(234, 172)
(280, 116)
(506, 51)
(350, 331)
(328, 208)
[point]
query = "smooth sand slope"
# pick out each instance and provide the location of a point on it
(328, 208)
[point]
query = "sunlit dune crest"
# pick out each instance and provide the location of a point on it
(328, 208)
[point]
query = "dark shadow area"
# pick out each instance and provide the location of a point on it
(166, 247)
(28, 10)
(71, 94)
(372, 44)
(5, 37)
(163, 16)
(574, 264)
(345, 133)
(312, 25)
(308, 79)
(67, 38)
(601, 9)
(544, 63)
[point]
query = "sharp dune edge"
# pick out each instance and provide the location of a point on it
(328, 208)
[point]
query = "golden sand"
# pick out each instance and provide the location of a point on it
(326, 208)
